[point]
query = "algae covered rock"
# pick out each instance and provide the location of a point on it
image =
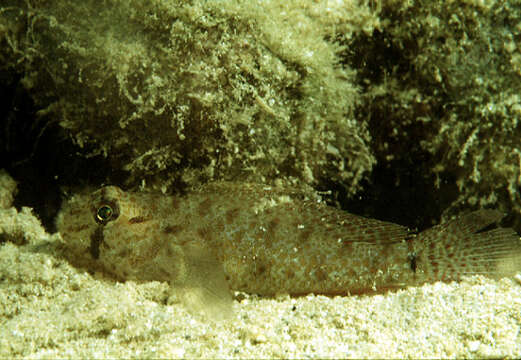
(192, 91)
(441, 84)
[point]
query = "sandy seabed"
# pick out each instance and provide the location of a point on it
(50, 309)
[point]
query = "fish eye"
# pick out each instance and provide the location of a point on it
(106, 213)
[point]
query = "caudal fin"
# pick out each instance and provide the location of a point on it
(465, 246)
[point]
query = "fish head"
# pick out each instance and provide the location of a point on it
(109, 228)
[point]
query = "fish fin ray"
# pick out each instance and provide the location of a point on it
(464, 246)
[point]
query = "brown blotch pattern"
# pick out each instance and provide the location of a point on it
(137, 220)
(172, 229)
(175, 203)
(304, 235)
(231, 215)
(205, 232)
(260, 269)
(204, 206)
(321, 274)
(78, 228)
(273, 224)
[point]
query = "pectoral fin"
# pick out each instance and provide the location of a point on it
(199, 281)
(205, 288)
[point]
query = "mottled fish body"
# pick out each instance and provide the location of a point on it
(266, 240)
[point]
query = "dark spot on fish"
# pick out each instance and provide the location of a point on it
(172, 229)
(238, 235)
(412, 261)
(290, 273)
(169, 251)
(304, 235)
(487, 228)
(123, 253)
(321, 274)
(78, 228)
(175, 203)
(204, 206)
(231, 215)
(153, 208)
(272, 226)
(95, 242)
(76, 212)
(137, 220)
(260, 268)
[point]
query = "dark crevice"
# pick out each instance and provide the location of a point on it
(38, 153)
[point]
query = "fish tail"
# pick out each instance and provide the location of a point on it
(468, 245)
